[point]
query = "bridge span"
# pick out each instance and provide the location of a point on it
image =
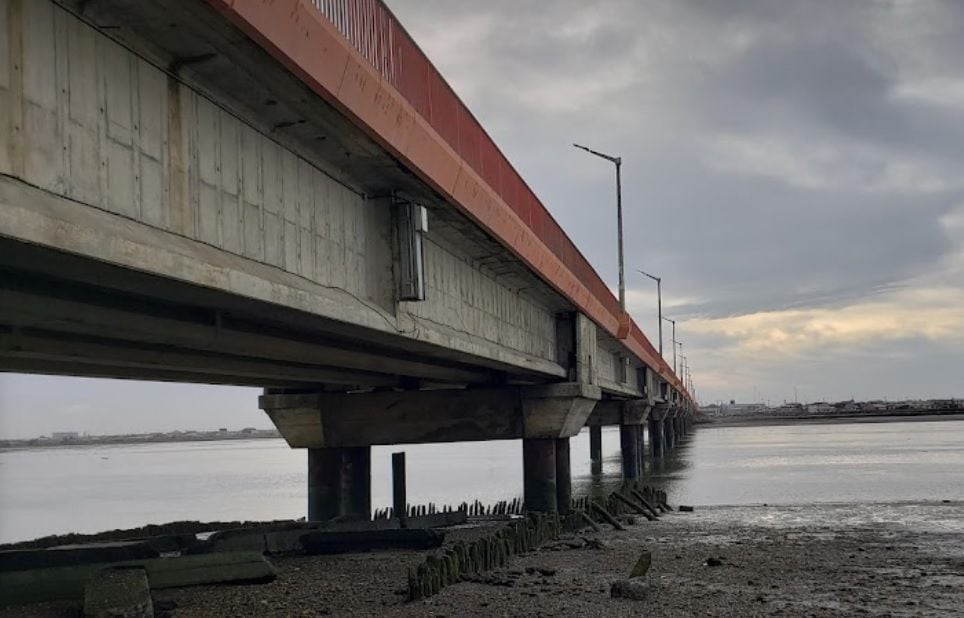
(288, 195)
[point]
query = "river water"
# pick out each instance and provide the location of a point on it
(90, 489)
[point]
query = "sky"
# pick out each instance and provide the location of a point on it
(793, 172)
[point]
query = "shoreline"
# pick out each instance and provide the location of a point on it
(807, 560)
(134, 442)
(831, 420)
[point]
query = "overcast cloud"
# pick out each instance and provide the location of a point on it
(792, 170)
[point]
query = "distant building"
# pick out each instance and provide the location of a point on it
(65, 435)
(223, 430)
(821, 407)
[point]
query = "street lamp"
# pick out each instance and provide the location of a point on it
(659, 304)
(673, 322)
(682, 368)
(618, 161)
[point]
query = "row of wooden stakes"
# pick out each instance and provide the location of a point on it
(517, 506)
(462, 558)
(473, 509)
(483, 554)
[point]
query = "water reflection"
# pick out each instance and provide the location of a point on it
(606, 476)
(132, 485)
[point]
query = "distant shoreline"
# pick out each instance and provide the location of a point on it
(890, 417)
(19, 445)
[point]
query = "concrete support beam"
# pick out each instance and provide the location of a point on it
(539, 474)
(328, 420)
(339, 483)
(619, 411)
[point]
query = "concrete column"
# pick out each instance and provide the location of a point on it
(324, 483)
(595, 443)
(656, 437)
(356, 482)
(339, 483)
(539, 474)
(668, 430)
(629, 443)
(563, 476)
(641, 449)
(595, 449)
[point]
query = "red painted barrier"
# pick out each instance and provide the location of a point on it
(386, 83)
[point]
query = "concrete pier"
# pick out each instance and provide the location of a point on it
(563, 476)
(656, 437)
(670, 434)
(539, 474)
(339, 483)
(595, 449)
(595, 443)
(629, 444)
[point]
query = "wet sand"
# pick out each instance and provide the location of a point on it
(902, 559)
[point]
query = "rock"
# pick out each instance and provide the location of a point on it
(685, 509)
(714, 562)
(596, 544)
(118, 593)
(632, 589)
(642, 564)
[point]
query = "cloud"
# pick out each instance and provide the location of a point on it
(934, 314)
(791, 170)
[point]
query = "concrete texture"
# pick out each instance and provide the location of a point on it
(153, 173)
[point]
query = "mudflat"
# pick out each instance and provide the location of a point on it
(896, 559)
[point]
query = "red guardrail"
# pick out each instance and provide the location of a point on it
(372, 29)
(377, 35)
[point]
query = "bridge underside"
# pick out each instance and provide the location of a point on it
(64, 314)
(176, 205)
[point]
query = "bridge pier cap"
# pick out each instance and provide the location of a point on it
(328, 420)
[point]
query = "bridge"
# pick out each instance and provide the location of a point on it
(287, 194)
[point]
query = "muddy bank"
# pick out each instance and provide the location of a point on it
(827, 560)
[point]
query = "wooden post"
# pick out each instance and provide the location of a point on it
(398, 487)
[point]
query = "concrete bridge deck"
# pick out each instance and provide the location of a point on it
(288, 195)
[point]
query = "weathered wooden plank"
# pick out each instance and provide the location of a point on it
(322, 542)
(24, 559)
(21, 587)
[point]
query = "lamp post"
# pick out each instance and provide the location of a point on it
(673, 340)
(659, 304)
(617, 161)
